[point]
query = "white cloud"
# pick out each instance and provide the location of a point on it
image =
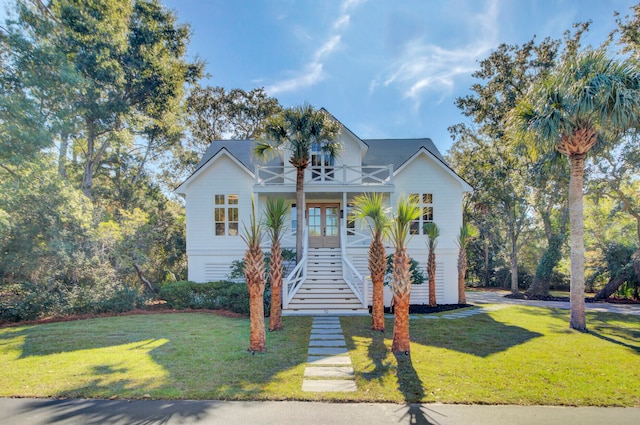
(312, 73)
(422, 67)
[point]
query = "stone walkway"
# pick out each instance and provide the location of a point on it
(328, 363)
(456, 314)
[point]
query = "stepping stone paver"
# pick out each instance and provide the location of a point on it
(327, 343)
(328, 357)
(328, 385)
(329, 360)
(329, 372)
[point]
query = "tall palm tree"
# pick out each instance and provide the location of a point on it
(467, 232)
(584, 100)
(296, 130)
(401, 280)
(369, 208)
(275, 217)
(255, 276)
(433, 232)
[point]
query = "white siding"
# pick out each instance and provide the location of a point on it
(207, 253)
(423, 175)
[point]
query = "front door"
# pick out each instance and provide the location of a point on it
(324, 225)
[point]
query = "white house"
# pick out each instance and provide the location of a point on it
(332, 276)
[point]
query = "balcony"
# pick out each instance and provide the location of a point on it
(326, 178)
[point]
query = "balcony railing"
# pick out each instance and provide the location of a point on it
(345, 175)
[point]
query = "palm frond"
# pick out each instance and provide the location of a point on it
(276, 213)
(369, 209)
(407, 211)
(252, 234)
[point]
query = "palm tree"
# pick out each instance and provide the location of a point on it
(467, 232)
(369, 208)
(584, 100)
(401, 280)
(254, 274)
(275, 216)
(297, 129)
(432, 232)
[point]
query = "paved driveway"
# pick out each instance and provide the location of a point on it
(490, 297)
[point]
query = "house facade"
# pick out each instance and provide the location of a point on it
(332, 275)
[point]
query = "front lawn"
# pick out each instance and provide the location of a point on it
(516, 355)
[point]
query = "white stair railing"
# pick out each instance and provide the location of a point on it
(297, 277)
(349, 273)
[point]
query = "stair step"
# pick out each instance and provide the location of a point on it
(324, 306)
(327, 295)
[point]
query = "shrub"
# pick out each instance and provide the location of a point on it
(30, 301)
(417, 274)
(212, 295)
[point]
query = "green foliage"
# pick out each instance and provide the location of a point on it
(369, 209)
(212, 295)
(237, 266)
(30, 301)
(276, 213)
(417, 275)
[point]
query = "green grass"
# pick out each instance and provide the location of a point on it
(516, 355)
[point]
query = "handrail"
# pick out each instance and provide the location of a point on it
(298, 275)
(365, 175)
(349, 273)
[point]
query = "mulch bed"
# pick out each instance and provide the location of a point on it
(611, 300)
(425, 309)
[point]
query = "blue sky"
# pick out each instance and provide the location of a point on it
(384, 68)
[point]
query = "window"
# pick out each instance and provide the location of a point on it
(321, 163)
(225, 215)
(425, 201)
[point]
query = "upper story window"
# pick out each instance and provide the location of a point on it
(425, 201)
(225, 214)
(321, 163)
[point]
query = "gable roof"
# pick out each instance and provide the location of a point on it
(238, 151)
(397, 151)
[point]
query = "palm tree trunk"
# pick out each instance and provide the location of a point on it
(462, 270)
(401, 342)
(275, 277)
(576, 225)
(254, 274)
(300, 208)
(401, 301)
(431, 265)
(377, 266)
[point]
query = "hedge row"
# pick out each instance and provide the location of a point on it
(212, 295)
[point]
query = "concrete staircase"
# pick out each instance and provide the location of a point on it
(324, 292)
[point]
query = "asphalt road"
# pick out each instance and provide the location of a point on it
(151, 412)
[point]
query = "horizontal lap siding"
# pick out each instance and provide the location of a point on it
(423, 175)
(209, 254)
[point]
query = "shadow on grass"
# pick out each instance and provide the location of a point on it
(479, 335)
(604, 337)
(410, 385)
(194, 356)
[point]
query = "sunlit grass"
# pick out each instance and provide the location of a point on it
(516, 355)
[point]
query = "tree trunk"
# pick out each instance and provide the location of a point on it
(431, 271)
(62, 155)
(254, 274)
(377, 268)
(487, 275)
(275, 278)
(300, 209)
(462, 271)
(87, 177)
(401, 342)
(514, 265)
(578, 319)
(401, 287)
(613, 284)
(143, 279)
